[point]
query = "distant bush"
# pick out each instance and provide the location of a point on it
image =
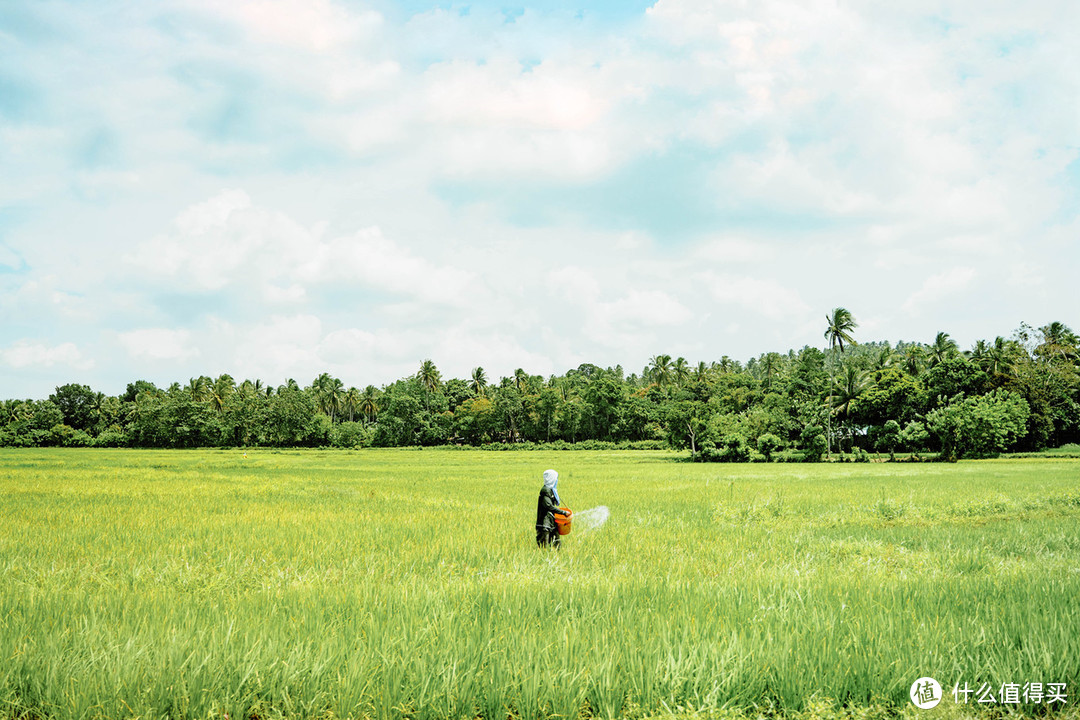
(583, 445)
(352, 435)
(112, 437)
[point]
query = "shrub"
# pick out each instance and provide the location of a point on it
(352, 435)
(813, 442)
(767, 444)
(113, 436)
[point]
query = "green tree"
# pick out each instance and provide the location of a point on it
(78, 404)
(943, 348)
(841, 324)
(981, 425)
(429, 376)
(479, 381)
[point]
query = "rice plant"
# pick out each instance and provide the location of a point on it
(397, 583)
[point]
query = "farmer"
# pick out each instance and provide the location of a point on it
(547, 533)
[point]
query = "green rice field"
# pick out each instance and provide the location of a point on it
(407, 583)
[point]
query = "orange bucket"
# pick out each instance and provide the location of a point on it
(563, 521)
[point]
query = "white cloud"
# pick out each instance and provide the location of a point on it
(29, 354)
(554, 189)
(368, 258)
(734, 250)
(939, 287)
(765, 297)
(156, 344)
(315, 25)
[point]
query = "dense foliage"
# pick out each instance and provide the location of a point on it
(1016, 394)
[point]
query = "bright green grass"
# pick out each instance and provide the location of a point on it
(388, 583)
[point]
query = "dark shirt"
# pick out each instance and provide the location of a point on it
(546, 507)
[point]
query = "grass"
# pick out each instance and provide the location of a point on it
(405, 583)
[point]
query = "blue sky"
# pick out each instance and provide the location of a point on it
(277, 188)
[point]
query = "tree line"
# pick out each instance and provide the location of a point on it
(1009, 394)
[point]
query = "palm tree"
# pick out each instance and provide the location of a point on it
(841, 323)
(429, 376)
(727, 365)
(913, 359)
(978, 354)
(884, 358)
(329, 393)
(701, 371)
(351, 402)
(944, 347)
(681, 371)
(845, 390)
(660, 370)
(198, 388)
(369, 403)
(222, 390)
(1058, 341)
(336, 397)
(770, 365)
(479, 381)
(1001, 358)
(520, 378)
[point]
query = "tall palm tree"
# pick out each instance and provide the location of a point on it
(841, 323)
(222, 390)
(198, 388)
(351, 402)
(944, 347)
(369, 403)
(978, 354)
(913, 359)
(701, 371)
(680, 371)
(520, 378)
(845, 390)
(884, 358)
(660, 370)
(1002, 356)
(429, 376)
(335, 397)
(479, 381)
(770, 366)
(1058, 342)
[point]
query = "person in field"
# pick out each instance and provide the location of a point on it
(547, 533)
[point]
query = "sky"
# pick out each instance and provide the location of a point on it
(279, 188)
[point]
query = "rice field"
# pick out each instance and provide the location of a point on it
(407, 583)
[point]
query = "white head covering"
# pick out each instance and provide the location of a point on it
(551, 482)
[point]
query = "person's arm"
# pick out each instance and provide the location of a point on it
(560, 511)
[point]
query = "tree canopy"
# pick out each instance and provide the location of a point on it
(1019, 392)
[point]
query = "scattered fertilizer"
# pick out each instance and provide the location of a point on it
(592, 518)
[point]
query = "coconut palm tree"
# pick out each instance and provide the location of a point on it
(351, 402)
(978, 354)
(944, 347)
(479, 381)
(770, 366)
(222, 389)
(660, 370)
(369, 403)
(429, 376)
(520, 378)
(680, 371)
(1002, 356)
(846, 389)
(913, 358)
(198, 388)
(841, 323)
(884, 358)
(701, 371)
(1058, 342)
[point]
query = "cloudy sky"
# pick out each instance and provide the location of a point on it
(276, 188)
